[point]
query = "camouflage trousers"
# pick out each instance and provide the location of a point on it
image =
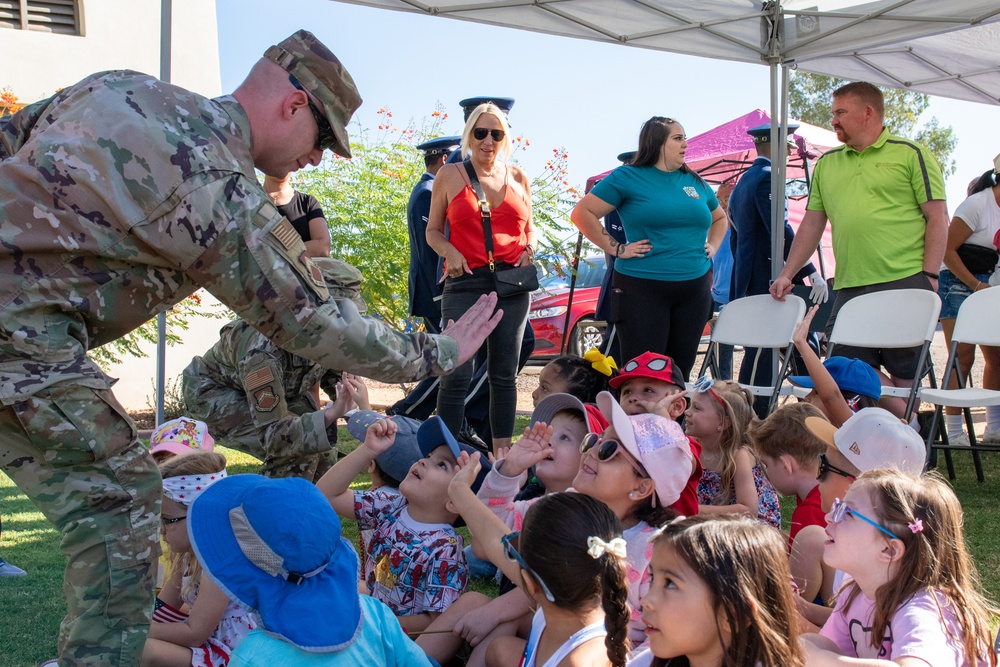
(73, 451)
(289, 446)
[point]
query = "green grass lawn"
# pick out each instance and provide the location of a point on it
(32, 606)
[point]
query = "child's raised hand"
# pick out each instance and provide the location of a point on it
(662, 406)
(380, 436)
(501, 454)
(357, 390)
(801, 334)
(530, 449)
(468, 467)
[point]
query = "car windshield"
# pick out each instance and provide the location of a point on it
(590, 273)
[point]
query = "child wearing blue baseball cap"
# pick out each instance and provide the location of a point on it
(415, 563)
(275, 546)
(840, 386)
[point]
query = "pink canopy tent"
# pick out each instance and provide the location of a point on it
(723, 153)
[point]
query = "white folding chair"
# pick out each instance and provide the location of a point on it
(892, 319)
(978, 323)
(762, 322)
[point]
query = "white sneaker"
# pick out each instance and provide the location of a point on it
(991, 436)
(959, 440)
(8, 570)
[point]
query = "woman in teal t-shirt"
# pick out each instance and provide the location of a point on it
(662, 285)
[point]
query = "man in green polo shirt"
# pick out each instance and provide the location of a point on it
(884, 198)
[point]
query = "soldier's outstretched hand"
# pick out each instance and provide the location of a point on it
(472, 328)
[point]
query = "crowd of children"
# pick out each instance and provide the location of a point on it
(636, 522)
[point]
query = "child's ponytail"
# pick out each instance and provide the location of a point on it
(614, 601)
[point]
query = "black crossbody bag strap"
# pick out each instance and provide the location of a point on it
(484, 211)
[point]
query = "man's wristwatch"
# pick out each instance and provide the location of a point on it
(933, 276)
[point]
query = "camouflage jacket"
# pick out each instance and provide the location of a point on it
(119, 196)
(275, 385)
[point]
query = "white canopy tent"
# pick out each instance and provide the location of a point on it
(947, 48)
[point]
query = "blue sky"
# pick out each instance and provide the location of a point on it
(587, 97)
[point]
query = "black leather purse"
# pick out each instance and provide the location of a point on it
(508, 281)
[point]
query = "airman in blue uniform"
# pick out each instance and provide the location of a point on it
(424, 281)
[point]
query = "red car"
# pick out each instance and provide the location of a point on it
(548, 310)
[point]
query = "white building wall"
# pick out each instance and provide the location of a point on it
(124, 34)
(117, 34)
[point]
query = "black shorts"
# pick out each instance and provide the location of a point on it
(899, 362)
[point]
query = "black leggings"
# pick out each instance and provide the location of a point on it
(663, 316)
(502, 350)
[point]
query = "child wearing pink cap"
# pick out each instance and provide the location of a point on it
(653, 383)
(180, 436)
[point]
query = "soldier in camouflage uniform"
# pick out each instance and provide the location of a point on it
(119, 196)
(258, 398)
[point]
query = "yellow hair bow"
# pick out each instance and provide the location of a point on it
(599, 362)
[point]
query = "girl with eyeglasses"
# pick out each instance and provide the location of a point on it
(570, 559)
(732, 480)
(913, 597)
(469, 267)
(215, 625)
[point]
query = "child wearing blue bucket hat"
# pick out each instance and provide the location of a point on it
(415, 563)
(840, 386)
(275, 546)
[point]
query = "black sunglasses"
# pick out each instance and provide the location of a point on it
(607, 450)
(325, 138)
(480, 133)
(825, 466)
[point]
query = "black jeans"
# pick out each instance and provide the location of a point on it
(663, 316)
(502, 350)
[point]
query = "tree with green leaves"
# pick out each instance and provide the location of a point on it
(809, 100)
(364, 200)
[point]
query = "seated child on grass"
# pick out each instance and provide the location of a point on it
(415, 563)
(214, 624)
(275, 546)
(561, 421)
(651, 383)
(733, 480)
(840, 386)
(790, 455)
(873, 438)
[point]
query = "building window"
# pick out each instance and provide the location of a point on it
(57, 16)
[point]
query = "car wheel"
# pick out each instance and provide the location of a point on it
(586, 334)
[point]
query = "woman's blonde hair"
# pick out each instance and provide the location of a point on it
(744, 565)
(505, 147)
(736, 412)
(195, 463)
(926, 516)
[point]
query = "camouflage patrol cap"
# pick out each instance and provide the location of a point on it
(342, 280)
(323, 75)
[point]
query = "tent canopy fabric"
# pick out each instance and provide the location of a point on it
(724, 152)
(948, 48)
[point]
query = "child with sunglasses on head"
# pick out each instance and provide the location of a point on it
(214, 625)
(733, 480)
(873, 438)
(789, 453)
(652, 383)
(913, 597)
(839, 386)
(552, 446)
(720, 596)
(570, 558)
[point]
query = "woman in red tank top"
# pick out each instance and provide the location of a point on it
(486, 144)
